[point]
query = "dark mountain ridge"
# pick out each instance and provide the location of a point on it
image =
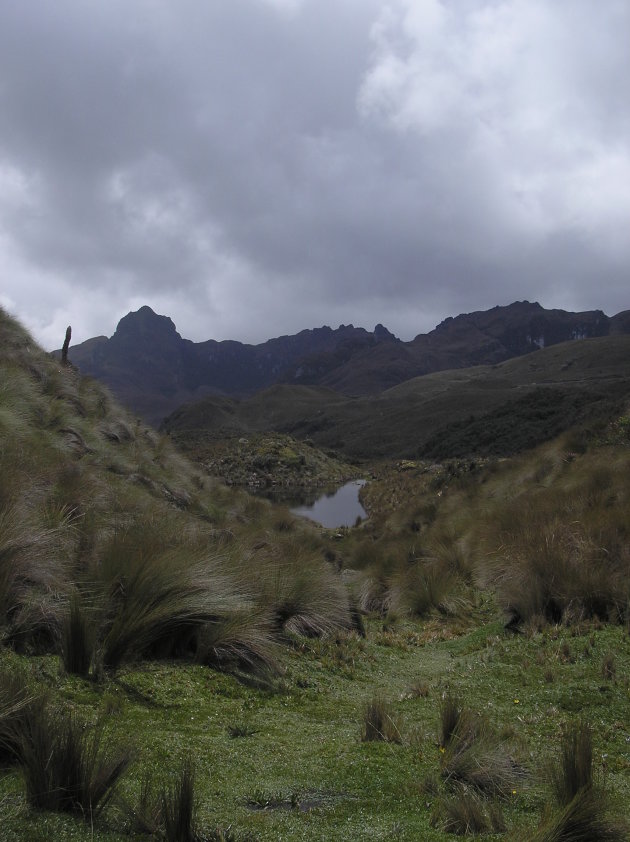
(153, 370)
(496, 409)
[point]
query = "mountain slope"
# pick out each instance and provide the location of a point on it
(153, 370)
(400, 421)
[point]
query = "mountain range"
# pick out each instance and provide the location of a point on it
(153, 370)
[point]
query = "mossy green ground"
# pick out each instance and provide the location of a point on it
(290, 764)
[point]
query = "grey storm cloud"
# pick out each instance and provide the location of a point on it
(255, 167)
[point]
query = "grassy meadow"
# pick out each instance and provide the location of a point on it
(183, 661)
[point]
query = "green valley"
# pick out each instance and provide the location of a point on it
(182, 660)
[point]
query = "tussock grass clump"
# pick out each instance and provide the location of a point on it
(465, 812)
(157, 598)
(145, 815)
(582, 813)
(78, 638)
(303, 593)
(574, 771)
(581, 820)
(31, 577)
(19, 703)
(380, 723)
(168, 813)
(179, 807)
(373, 593)
(65, 766)
(472, 754)
(421, 587)
(609, 667)
(562, 558)
(242, 642)
(453, 553)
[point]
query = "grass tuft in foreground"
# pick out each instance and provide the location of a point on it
(66, 767)
(582, 813)
(380, 723)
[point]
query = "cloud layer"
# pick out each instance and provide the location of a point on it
(256, 167)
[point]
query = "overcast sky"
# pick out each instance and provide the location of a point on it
(251, 168)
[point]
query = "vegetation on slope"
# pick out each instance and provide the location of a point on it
(521, 424)
(514, 405)
(263, 460)
(114, 544)
(198, 654)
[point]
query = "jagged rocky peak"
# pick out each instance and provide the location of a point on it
(147, 324)
(383, 335)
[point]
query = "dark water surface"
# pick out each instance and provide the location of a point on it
(335, 508)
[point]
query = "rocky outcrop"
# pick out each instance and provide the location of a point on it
(152, 369)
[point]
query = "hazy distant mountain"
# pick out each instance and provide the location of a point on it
(152, 369)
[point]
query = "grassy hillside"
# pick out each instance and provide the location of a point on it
(181, 661)
(587, 378)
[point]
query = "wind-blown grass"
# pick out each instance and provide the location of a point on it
(242, 641)
(574, 771)
(560, 549)
(302, 591)
(18, 703)
(156, 602)
(31, 578)
(78, 637)
(422, 586)
(179, 807)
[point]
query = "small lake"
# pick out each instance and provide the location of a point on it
(335, 508)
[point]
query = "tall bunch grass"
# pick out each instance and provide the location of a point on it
(380, 722)
(170, 813)
(19, 702)
(158, 601)
(465, 812)
(65, 766)
(422, 586)
(574, 770)
(78, 637)
(582, 812)
(562, 559)
(32, 577)
(242, 641)
(179, 807)
(472, 754)
(581, 820)
(302, 592)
